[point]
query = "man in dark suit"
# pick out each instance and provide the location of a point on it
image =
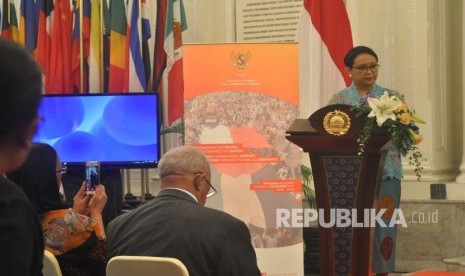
(176, 224)
(21, 238)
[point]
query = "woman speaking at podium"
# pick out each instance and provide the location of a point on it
(362, 65)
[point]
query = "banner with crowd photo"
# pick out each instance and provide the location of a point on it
(239, 101)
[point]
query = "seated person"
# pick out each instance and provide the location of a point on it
(176, 224)
(74, 238)
(110, 178)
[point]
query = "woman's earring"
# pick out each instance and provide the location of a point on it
(350, 75)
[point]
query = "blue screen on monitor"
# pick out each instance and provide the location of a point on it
(119, 130)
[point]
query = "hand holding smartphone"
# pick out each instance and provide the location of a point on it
(92, 176)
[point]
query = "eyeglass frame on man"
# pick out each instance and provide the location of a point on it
(62, 170)
(212, 193)
(364, 68)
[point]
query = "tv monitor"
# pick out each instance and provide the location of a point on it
(119, 130)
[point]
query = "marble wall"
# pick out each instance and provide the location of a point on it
(435, 231)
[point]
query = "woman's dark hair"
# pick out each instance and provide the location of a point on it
(37, 178)
(353, 53)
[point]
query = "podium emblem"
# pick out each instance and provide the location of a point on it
(336, 123)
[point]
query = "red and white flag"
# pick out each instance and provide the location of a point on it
(176, 23)
(324, 37)
(44, 37)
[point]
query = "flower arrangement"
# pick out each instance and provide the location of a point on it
(391, 112)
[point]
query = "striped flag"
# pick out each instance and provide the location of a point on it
(86, 6)
(149, 17)
(1, 17)
(76, 55)
(118, 48)
(106, 45)
(28, 24)
(159, 56)
(175, 24)
(59, 78)
(324, 37)
(136, 70)
(5, 28)
(15, 9)
(76, 50)
(1, 14)
(44, 37)
(37, 9)
(95, 56)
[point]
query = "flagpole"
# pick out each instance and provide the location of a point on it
(139, 29)
(102, 38)
(8, 10)
(81, 47)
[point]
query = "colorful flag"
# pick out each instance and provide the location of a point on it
(15, 9)
(1, 14)
(59, 78)
(28, 24)
(118, 48)
(136, 70)
(149, 17)
(5, 28)
(37, 9)
(95, 55)
(86, 6)
(76, 50)
(324, 37)
(106, 45)
(175, 24)
(159, 56)
(44, 37)
(76, 56)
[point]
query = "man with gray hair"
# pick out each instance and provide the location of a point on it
(176, 224)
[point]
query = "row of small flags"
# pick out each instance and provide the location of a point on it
(109, 46)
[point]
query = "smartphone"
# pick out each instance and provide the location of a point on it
(92, 176)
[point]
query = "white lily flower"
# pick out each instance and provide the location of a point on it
(383, 108)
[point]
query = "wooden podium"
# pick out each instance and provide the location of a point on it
(343, 180)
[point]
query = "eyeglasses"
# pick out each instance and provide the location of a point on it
(364, 68)
(62, 170)
(210, 193)
(213, 192)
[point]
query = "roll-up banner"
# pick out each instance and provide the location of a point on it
(239, 101)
